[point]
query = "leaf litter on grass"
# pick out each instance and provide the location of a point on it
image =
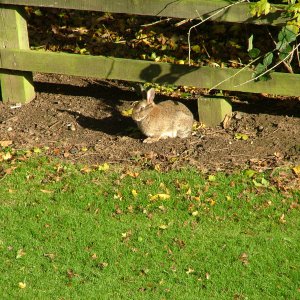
(199, 224)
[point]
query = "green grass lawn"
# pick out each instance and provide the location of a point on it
(68, 232)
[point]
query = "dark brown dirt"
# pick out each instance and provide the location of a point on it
(70, 114)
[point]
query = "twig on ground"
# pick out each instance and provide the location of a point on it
(156, 22)
(182, 22)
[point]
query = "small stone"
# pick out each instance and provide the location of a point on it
(74, 151)
(238, 115)
(260, 128)
(71, 127)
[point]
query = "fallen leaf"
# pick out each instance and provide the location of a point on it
(212, 178)
(132, 174)
(94, 256)
(212, 202)
(190, 271)
(103, 265)
(282, 219)
(20, 253)
(9, 170)
(85, 170)
(134, 193)
(37, 150)
(250, 173)
(72, 274)
(22, 285)
(241, 136)
(127, 112)
(226, 122)
(196, 48)
(46, 191)
(296, 170)
(5, 143)
(6, 156)
(244, 259)
(163, 227)
(189, 192)
(159, 196)
(51, 256)
(262, 183)
(103, 167)
(157, 168)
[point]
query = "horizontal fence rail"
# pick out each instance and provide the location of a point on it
(145, 71)
(17, 61)
(187, 9)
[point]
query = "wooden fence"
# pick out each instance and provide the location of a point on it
(17, 61)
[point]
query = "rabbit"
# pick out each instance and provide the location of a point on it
(168, 119)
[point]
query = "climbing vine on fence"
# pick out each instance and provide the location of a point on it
(286, 43)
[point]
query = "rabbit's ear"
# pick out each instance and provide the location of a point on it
(150, 95)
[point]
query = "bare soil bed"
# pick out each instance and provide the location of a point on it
(80, 120)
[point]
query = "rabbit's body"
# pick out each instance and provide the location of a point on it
(168, 119)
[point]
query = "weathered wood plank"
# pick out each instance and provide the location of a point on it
(190, 9)
(213, 110)
(145, 71)
(16, 86)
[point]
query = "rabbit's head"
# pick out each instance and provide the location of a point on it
(143, 108)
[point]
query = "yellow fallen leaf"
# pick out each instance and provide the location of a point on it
(163, 227)
(46, 191)
(212, 178)
(159, 196)
(196, 48)
(190, 271)
(296, 170)
(126, 112)
(157, 168)
(228, 198)
(134, 193)
(6, 156)
(22, 285)
(241, 136)
(94, 256)
(189, 192)
(282, 219)
(212, 202)
(37, 150)
(20, 253)
(103, 167)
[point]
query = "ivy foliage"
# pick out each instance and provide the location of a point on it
(286, 39)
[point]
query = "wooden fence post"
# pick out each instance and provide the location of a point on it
(16, 86)
(213, 110)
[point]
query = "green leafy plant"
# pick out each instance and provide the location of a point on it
(285, 43)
